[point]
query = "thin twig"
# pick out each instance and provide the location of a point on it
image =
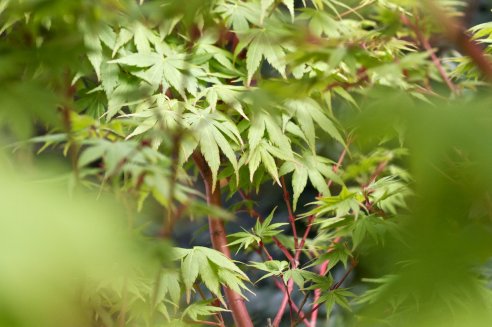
(217, 315)
(292, 217)
(282, 286)
(317, 292)
(314, 310)
(300, 314)
(283, 305)
(340, 282)
(456, 33)
(424, 41)
(355, 9)
(304, 237)
(255, 214)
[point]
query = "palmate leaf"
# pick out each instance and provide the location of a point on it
(207, 45)
(213, 268)
(169, 285)
(164, 70)
(342, 204)
(266, 229)
(262, 43)
(339, 253)
(261, 232)
(264, 153)
(338, 296)
(323, 282)
(306, 112)
(229, 94)
(244, 239)
(389, 193)
(201, 309)
(114, 155)
(214, 131)
(159, 111)
(311, 166)
(375, 227)
(272, 267)
(143, 38)
(299, 276)
(321, 23)
(238, 14)
(263, 149)
(126, 92)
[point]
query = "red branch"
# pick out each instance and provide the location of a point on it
(284, 288)
(283, 305)
(292, 217)
(219, 242)
(435, 60)
(340, 160)
(317, 293)
(334, 287)
(300, 314)
(255, 214)
(456, 33)
(324, 266)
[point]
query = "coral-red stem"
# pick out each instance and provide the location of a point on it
(219, 242)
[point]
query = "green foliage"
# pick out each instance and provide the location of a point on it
(341, 98)
(212, 267)
(261, 233)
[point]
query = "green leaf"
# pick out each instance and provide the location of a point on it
(339, 253)
(170, 70)
(273, 267)
(243, 239)
(239, 14)
(221, 260)
(373, 226)
(256, 131)
(308, 111)
(201, 309)
(264, 230)
(189, 270)
(341, 205)
(314, 167)
(210, 128)
(290, 5)
(212, 267)
(262, 149)
(299, 181)
(337, 296)
(210, 151)
(91, 154)
(299, 276)
(95, 53)
(253, 60)
(269, 163)
(209, 275)
(262, 43)
(142, 60)
(344, 94)
(170, 285)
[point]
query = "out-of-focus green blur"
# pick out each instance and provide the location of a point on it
(66, 259)
(437, 273)
(58, 254)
